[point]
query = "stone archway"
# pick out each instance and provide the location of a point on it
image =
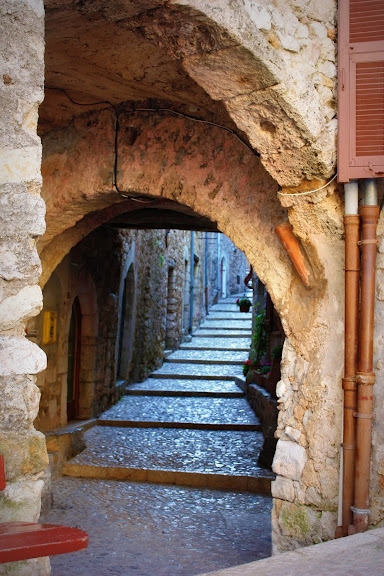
(208, 170)
(281, 104)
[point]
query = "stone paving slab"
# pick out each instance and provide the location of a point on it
(207, 356)
(222, 314)
(358, 555)
(193, 451)
(212, 411)
(199, 371)
(160, 386)
(223, 343)
(155, 530)
(219, 333)
(226, 324)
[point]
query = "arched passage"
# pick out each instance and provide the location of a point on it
(192, 156)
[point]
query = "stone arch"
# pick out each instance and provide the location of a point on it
(264, 86)
(203, 167)
(212, 172)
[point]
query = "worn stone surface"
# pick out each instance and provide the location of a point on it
(148, 528)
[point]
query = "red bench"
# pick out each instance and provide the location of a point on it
(24, 540)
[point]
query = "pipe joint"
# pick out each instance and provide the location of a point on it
(366, 378)
(349, 383)
(348, 446)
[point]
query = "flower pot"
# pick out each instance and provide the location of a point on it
(244, 307)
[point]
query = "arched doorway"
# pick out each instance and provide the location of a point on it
(74, 357)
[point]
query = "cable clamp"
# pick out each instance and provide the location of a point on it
(360, 415)
(368, 241)
(360, 511)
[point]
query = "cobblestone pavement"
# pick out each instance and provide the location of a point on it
(204, 451)
(159, 386)
(238, 343)
(155, 530)
(146, 528)
(222, 411)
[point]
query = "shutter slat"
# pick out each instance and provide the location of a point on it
(369, 101)
(366, 21)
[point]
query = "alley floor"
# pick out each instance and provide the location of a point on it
(168, 484)
(147, 529)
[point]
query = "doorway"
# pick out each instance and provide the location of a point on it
(74, 355)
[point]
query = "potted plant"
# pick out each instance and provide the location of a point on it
(244, 304)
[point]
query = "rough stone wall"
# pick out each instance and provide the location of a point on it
(153, 259)
(377, 465)
(273, 66)
(22, 221)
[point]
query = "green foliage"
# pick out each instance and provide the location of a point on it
(277, 351)
(243, 301)
(259, 336)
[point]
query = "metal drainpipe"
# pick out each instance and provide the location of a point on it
(192, 281)
(365, 376)
(351, 323)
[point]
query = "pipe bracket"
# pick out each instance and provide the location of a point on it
(361, 415)
(360, 511)
(348, 446)
(368, 241)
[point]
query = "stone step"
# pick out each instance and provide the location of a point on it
(199, 458)
(188, 388)
(233, 413)
(198, 371)
(222, 333)
(203, 343)
(207, 357)
(238, 323)
(229, 315)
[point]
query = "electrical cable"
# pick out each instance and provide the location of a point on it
(144, 199)
(308, 191)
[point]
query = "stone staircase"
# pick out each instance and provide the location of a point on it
(189, 423)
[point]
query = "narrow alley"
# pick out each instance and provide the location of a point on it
(168, 483)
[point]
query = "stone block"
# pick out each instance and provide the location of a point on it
(283, 489)
(19, 356)
(290, 459)
(20, 402)
(23, 454)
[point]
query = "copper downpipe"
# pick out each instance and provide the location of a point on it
(365, 375)
(352, 281)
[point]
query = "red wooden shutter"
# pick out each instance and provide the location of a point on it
(361, 89)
